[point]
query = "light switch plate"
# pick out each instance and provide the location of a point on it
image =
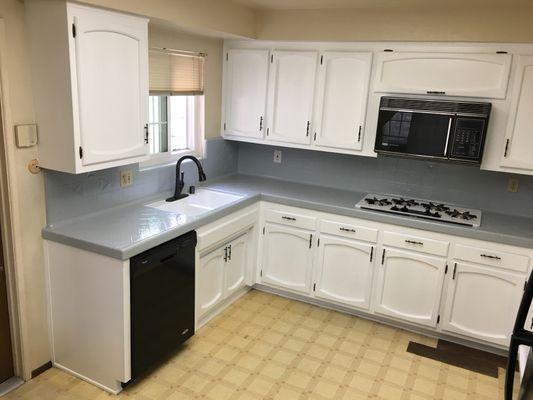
(512, 185)
(126, 178)
(26, 135)
(277, 156)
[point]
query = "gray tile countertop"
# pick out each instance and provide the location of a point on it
(125, 231)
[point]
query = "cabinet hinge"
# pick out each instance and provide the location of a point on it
(314, 137)
(261, 273)
(506, 148)
(314, 287)
(438, 319)
(227, 56)
(318, 243)
(73, 30)
(454, 270)
(359, 134)
(446, 269)
(383, 257)
(263, 230)
(371, 253)
(224, 126)
(80, 151)
(268, 131)
(271, 58)
(321, 59)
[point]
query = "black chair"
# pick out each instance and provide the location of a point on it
(519, 337)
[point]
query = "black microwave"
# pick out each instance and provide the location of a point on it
(435, 129)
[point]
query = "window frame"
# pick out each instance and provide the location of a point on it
(195, 141)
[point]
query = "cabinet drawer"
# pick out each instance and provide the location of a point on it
(409, 242)
(515, 262)
(352, 231)
(291, 219)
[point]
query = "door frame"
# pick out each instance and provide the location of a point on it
(10, 228)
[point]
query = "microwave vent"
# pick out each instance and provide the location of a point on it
(472, 108)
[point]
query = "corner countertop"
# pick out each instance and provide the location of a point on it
(125, 231)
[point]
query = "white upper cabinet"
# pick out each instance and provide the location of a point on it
(454, 74)
(287, 257)
(482, 302)
(342, 96)
(245, 91)
(344, 271)
(90, 76)
(517, 151)
(290, 96)
(409, 286)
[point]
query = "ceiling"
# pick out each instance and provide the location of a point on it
(340, 4)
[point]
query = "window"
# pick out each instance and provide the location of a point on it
(176, 105)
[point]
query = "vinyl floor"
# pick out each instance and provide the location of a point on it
(269, 347)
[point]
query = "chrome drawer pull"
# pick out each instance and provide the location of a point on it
(414, 242)
(289, 218)
(491, 257)
(347, 229)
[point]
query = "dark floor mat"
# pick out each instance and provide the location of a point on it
(474, 360)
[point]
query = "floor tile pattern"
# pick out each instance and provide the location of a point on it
(268, 347)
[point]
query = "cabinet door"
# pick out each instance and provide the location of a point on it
(517, 151)
(290, 96)
(246, 87)
(342, 97)
(111, 57)
(409, 286)
(235, 277)
(344, 271)
(482, 302)
(453, 74)
(287, 257)
(210, 280)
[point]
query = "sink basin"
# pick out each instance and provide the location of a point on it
(202, 201)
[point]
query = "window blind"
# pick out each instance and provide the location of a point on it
(176, 73)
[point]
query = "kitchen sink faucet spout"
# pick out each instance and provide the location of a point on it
(179, 177)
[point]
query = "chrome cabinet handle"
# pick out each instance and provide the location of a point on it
(414, 242)
(225, 254)
(346, 229)
(288, 218)
(491, 257)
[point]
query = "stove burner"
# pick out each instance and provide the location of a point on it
(435, 206)
(405, 202)
(378, 202)
(463, 215)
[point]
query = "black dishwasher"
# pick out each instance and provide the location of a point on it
(162, 301)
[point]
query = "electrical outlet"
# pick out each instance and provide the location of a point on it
(126, 178)
(277, 156)
(512, 185)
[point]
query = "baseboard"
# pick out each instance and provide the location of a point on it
(382, 320)
(39, 370)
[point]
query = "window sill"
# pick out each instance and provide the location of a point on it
(161, 160)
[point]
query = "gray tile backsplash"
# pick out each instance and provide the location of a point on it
(453, 183)
(68, 195)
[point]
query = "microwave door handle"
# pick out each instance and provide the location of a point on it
(448, 136)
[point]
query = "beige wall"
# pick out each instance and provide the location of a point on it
(212, 70)
(28, 187)
(402, 24)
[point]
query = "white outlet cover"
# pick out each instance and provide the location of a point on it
(126, 178)
(277, 156)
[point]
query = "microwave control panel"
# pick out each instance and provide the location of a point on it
(468, 138)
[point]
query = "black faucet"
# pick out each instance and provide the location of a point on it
(179, 177)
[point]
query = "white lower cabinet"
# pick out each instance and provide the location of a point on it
(409, 286)
(344, 271)
(287, 257)
(221, 272)
(482, 302)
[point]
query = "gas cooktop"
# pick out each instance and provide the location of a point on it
(421, 209)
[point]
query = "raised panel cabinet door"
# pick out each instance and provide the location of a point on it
(111, 58)
(210, 280)
(517, 150)
(409, 286)
(235, 277)
(482, 302)
(287, 258)
(291, 96)
(343, 80)
(246, 89)
(453, 74)
(344, 271)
